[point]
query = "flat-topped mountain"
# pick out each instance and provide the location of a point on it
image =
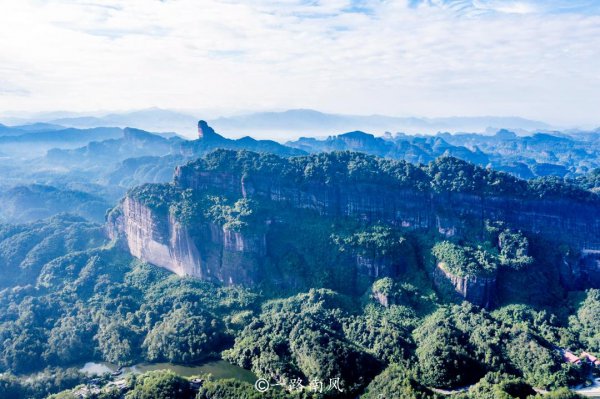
(238, 217)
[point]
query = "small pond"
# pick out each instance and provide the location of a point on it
(219, 369)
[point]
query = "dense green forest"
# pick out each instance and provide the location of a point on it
(69, 295)
(443, 174)
(98, 303)
(526, 156)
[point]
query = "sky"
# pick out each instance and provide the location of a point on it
(529, 58)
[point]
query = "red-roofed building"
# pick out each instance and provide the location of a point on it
(571, 357)
(591, 359)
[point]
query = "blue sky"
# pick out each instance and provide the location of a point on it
(478, 7)
(537, 59)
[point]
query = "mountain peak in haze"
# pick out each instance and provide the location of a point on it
(505, 134)
(206, 132)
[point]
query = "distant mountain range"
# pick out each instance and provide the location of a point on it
(310, 123)
(106, 161)
(540, 154)
(286, 125)
(32, 202)
(35, 139)
(153, 119)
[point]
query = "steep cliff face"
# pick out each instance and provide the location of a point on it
(450, 213)
(475, 289)
(210, 252)
(374, 268)
(365, 201)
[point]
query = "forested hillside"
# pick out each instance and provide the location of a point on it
(297, 289)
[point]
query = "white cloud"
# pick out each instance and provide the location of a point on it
(432, 58)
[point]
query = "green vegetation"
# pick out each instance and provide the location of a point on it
(502, 248)
(514, 249)
(337, 298)
(586, 322)
(159, 385)
(156, 196)
(464, 260)
(457, 346)
(497, 385)
(398, 381)
(101, 304)
(236, 216)
(98, 303)
(590, 181)
(450, 174)
(230, 388)
(373, 241)
(25, 249)
(39, 385)
(444, 174)
(184, 336)
(303, 337)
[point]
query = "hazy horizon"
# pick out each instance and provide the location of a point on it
(434, 58)
(281, 125)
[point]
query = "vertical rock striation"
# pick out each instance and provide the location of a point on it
(478, 290)
(210, 253)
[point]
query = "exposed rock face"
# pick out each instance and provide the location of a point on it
(211, 253)
(475, 289)
(451, 213)
(375, 268)
(383, 299)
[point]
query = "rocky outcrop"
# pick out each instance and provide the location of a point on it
(207, 133)
(382, 298)
(374, 268)
(478, 290)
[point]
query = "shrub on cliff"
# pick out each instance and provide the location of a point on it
(449, 174)
(155, 196)
(465, 260)
(373, 242)
(514, 248)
